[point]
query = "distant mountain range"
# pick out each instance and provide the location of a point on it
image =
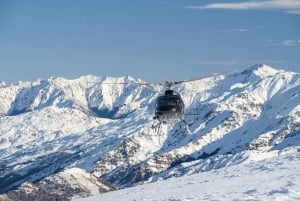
(62, 139)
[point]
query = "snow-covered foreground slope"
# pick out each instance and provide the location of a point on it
(54, 132)
(274, 178)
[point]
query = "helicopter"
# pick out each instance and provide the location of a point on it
(169, 107)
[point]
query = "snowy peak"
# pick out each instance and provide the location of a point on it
(262, 70)
(90, 94)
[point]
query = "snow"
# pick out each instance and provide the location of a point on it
(274, 178)
(83, 179)
(264, 70)
(94, 127)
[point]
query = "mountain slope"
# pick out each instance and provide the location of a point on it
(104, 127)
(274, 178)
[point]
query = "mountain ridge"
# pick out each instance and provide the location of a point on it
(104, 127)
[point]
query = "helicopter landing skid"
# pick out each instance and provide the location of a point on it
(157, 127)
(183, 126)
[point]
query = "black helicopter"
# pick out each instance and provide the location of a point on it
(169, 107)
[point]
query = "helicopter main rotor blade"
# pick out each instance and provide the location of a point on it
(123, 83)
(170, 83)
(202, 77)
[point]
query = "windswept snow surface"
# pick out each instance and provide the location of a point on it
(275, 178)
(102, 129)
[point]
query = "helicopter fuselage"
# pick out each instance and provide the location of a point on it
(169, 108)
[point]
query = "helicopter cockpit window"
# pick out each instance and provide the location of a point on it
(169, 103)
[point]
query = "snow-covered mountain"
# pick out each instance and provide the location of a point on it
(61, 139)
(274, 178)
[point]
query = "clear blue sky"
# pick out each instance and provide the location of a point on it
(155, 40)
